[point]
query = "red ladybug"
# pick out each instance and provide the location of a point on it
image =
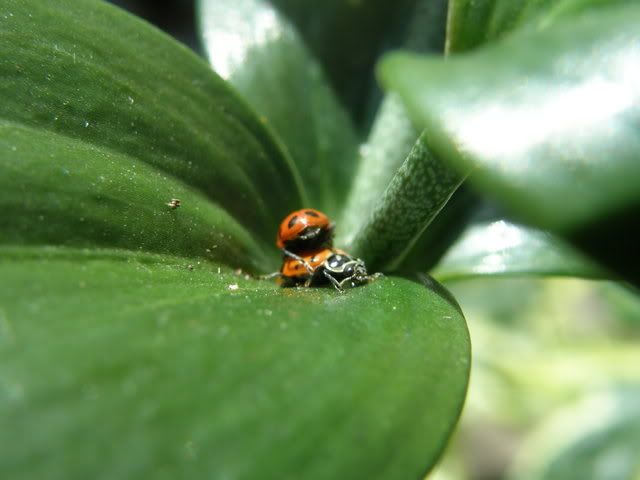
(306, 237)
(324, 266)
(305, 230)
(300, 269)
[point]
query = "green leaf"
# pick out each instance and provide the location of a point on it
(88, 71)
(392, 135)
(347, 37)
(441, 233)
(426, 28)
(62, 191)
(253, 46)
(501, 248)
(556, 145)
(125, 365)
(597, 437)
(472, 23)
(390, 141)
(417, 246)
(126, 350)
(416, 194)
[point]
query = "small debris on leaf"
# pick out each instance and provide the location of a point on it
(174, 203)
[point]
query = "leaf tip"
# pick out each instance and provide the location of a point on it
(389, 64)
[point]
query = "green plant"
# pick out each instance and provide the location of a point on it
(130, 347)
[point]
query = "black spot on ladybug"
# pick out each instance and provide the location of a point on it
(293, 221)
(311, 213)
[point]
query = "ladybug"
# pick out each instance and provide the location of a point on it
(342, 269)
(324, 266)
(301, 269)
(305, 230)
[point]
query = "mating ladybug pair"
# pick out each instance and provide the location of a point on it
(306, 239)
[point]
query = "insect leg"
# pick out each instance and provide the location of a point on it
(348, 279)
(269, 276)
(336, 284)
(300, 259)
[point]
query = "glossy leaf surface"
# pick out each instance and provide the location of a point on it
(62, 191)
(551, 132)
(502, 248)
(254, 47)
(74, 70)
(128, 365)
(128, 347)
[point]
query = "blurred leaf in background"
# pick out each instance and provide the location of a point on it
(552, 360)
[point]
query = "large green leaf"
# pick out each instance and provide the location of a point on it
(506, 249)
(128, 348)
(255, 48)
(597, 437)
(62, 191)
(125, 365)
(88, 71)
(552, 131)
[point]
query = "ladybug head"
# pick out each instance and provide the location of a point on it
(304, 229)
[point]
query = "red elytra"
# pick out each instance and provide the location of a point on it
(301, 225)
(294, 268)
